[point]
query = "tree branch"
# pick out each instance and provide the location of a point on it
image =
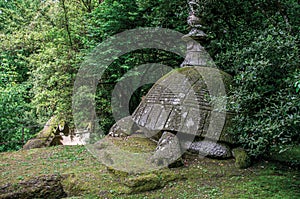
(67, 22)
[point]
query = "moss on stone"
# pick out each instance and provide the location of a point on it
(34, 143)
(143, 183)
(242, 159)
(49, 129)
(136, 176)
(135, 144)
(131, 154)
(205, 178)
(119, 173)
(46, 137)
(46, 186)
(151, 181)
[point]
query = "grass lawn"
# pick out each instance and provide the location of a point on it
(85, 177)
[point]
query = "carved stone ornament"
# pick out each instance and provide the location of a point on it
(196, 54)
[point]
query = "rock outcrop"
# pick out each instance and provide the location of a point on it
(50, 135)
(47, 186)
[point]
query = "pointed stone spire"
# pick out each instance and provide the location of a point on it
(196, 54)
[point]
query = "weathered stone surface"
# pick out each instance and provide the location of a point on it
(242, 159)
(143, 183)
(39, 187)
(48, 136)
(129, 155)
(210, 149)
(126, 126)
(181, 101)
(151, 181)
(34, 143)
(123, 127)
(168, 151)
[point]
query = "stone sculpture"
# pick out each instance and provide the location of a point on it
(184, 109)
(182, 103)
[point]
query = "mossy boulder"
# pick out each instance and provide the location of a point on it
(130, 160)
(168, 151)
(242, 159)
(47, 186)
(143, 183)
(48, 136)
(130, 155)
(151, 181)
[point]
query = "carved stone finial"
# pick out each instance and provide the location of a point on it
(196, 54)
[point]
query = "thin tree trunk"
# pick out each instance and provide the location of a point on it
(67, 22)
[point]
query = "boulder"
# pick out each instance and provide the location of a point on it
(48, 136)
(210, 149)
(242, 159)
(168, 151)
(151, 181)
(48, 186)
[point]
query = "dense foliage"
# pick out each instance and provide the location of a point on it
(261, 49)
(44, 42)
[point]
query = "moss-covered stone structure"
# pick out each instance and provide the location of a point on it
(190, 102)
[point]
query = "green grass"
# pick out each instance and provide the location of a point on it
(85, 177)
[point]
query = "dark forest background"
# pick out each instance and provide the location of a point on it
(43, 43)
